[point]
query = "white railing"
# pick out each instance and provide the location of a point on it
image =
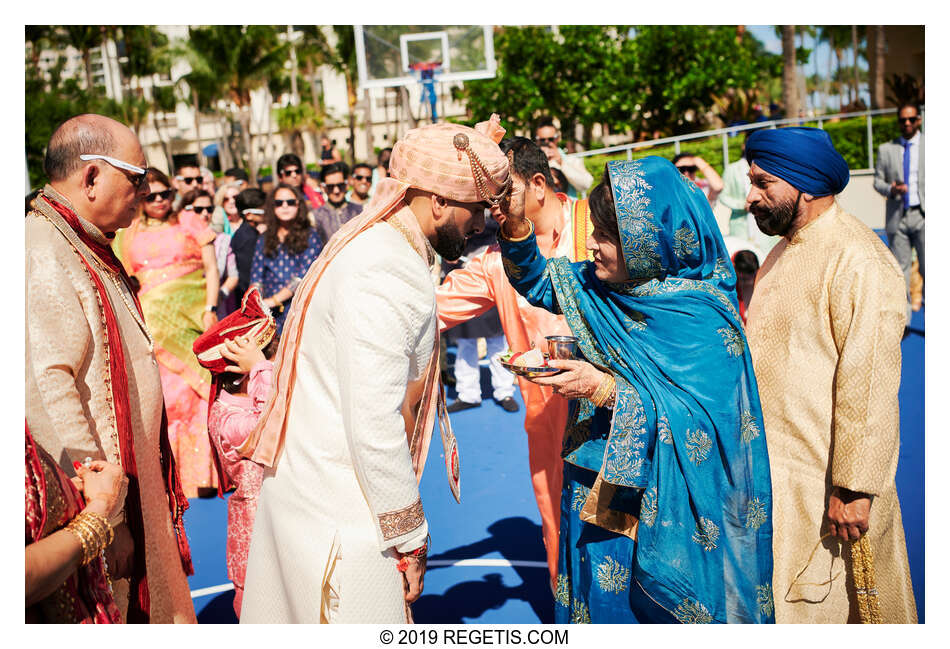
(726, 132)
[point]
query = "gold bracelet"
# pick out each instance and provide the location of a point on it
(504, 237)
(93, 532)
(603, 390)
(103, 526)
(83, 542)
(93, 548)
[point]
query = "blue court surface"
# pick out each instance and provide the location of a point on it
(487, 562)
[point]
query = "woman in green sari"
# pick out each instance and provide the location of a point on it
(172, 258)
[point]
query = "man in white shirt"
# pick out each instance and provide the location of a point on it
(340, 533)
(899, 176)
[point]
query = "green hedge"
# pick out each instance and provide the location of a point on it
(849, 137)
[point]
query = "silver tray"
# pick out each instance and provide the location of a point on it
(530, 372)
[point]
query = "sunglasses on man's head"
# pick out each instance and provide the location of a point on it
(293, 171)
(200, 209)
(337, 186)
(278, 202)
(154, 196)
(356, 177)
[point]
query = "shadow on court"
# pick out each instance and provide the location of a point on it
(515, 539)
(218, 610)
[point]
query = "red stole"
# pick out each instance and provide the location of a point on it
(138, 583)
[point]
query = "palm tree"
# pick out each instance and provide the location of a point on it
(876, 64)
(838, 38)
(229, 62)
(84, 38)
(39, 37)
(293, 120)
(343, 61)
(789, 72)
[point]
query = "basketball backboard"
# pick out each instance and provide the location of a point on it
(384, 53)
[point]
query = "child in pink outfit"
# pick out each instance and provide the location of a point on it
(233, 415)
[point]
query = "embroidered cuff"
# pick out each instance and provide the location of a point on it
(402, 521)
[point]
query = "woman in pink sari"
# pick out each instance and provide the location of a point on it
(172, 257)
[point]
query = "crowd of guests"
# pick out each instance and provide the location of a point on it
(191, 261)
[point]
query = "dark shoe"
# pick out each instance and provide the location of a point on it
(459, 405)
(509, 404)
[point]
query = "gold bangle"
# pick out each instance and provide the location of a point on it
(102, 525)
(603, 390)
(83, 542)
(501, 234)
(93, 532)
(92, 549)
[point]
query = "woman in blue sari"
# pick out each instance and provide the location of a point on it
(666, 504)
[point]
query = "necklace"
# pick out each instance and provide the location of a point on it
(74, 240)
(133, 311)
(404, 231)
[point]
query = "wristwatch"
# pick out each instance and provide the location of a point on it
(209, 308)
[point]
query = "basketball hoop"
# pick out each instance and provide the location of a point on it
(426, 71)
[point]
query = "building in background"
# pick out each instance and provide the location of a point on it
(382, 114)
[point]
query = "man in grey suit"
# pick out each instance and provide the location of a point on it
(899, 176)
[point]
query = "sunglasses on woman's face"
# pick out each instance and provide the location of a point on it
(199, 209)
(154, 196)
(292, 202)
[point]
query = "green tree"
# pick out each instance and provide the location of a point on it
(292, 121)
(228, 63)
(641, 80)
(681, 68)
(570, 74)
(84, 38)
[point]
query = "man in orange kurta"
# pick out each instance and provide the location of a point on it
(562, 226)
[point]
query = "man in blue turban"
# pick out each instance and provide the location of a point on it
(824, 328)
(806, 163)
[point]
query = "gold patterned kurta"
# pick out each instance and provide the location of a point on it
(69, 398)
(824, 327)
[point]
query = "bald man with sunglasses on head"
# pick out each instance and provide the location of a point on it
(92, 383)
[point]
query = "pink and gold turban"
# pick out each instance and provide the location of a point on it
(452, 161)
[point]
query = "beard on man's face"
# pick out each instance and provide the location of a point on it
(776, 220)
(449, 239)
